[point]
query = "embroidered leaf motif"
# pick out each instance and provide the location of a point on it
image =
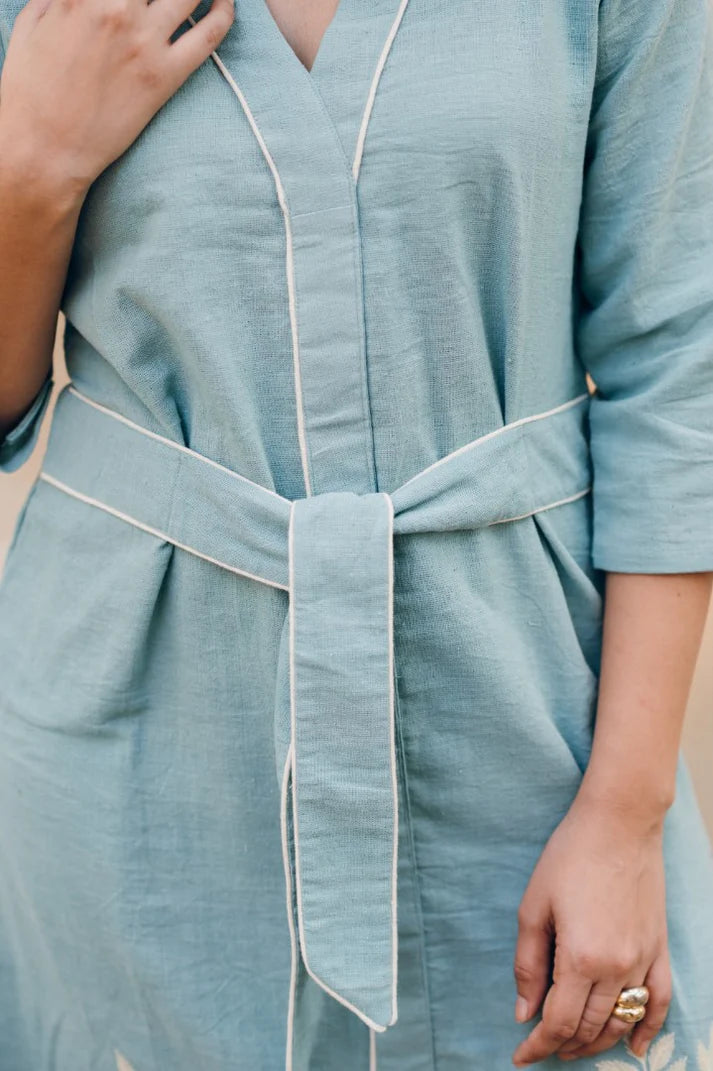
(678, 1065)
(661, 1052)
(705, 1056)
(122, 1064)
(626, 1041)
(613, 1065)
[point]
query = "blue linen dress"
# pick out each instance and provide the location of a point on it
(300, 625)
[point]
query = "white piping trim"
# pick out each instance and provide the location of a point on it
(392, 759)
(155, 531)
(289, 267)
(289, 1042)
(295, 822)
(372, 1051)
(540, 509)
(372, 89)
(492, 434)
(174, 445)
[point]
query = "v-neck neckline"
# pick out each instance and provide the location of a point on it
(301, 115)
(324, 43)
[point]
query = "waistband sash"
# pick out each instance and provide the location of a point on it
(333, 554)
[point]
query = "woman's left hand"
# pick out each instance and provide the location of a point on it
(592, 921)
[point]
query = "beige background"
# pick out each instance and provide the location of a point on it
(698, 729)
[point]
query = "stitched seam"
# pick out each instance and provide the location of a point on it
(320, 211)
(358, 265)
(289, 267)
(289, 1039)
(417, 898)
(358, 292)
(392, 762)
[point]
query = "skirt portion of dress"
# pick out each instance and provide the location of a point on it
(142, 889)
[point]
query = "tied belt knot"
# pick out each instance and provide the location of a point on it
(333, 553)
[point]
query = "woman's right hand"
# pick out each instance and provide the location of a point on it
(82, 78)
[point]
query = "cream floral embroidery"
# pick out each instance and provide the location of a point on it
(122, 1064)
(659, 1057)
(705, 1054)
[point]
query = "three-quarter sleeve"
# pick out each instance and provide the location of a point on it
(19, 441)
(644, 286)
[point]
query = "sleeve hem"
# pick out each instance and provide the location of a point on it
(19, 441)
(696, 558)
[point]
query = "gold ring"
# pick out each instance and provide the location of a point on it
(633, 997)
(630, 1014)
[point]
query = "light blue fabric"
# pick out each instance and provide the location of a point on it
(534, 199)
(335, 714)
(18, 443)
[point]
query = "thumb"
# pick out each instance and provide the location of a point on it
(533, 957)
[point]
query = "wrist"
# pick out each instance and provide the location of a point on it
(641, 810)
(38, 177)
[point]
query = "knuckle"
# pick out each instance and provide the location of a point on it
(150, 77)
(586, 1034)
(587, 962)
(563, 1030)
(588, 1030)
(134, 48)
(525, 917)
(214, 34)
(594, 963)
(219, 25)
(115, 15)
(524, 973)
(622, 964)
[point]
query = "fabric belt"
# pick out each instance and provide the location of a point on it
(333, 554)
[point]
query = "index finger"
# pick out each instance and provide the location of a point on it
(195, 45)
(561, 1014)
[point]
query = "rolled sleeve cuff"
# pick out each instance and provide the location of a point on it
(652, 493)
(20, 441)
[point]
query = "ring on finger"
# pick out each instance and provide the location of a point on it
(630, 1006)
(633, 996)
(633, 1014)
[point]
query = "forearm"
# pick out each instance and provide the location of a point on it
(652, 631)
(37, 228)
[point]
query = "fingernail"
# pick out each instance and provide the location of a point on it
(640, 1048)
(521, 1009)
